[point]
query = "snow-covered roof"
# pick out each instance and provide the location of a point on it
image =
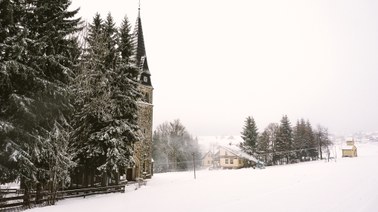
(348, 147)
(238, 152)
(208, 153)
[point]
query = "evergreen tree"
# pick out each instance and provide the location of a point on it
(250, 136)
(299, 140)
(284, 140)
(105, 123)
(312, 147)
(126, 41)
(12, 46)
(111, 39)
(37, 63)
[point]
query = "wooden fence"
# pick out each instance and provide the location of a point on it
(13, 199)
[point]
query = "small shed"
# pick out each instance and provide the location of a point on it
(349, 151)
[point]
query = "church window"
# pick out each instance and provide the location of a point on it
(145, 79)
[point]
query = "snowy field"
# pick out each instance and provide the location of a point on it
(349, 184)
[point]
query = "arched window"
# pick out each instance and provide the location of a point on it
(146, 97)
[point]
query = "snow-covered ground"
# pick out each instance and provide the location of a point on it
(349, 184)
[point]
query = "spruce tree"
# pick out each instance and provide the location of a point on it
(312, 148)
(126, 41)
(250, 136)
(110, 33)
(105, 123)
(284, 139)
(37, 65)
(299, 140)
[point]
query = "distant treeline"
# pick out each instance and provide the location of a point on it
(281, 143)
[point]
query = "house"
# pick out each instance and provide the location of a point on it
(208, 160)
(350, 150)
(230, 157)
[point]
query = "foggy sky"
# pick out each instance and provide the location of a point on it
(215, 62)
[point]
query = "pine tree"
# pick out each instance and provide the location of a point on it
(312, 148)
(250, 136)
(36, 67)
(105, 123)
(126, 41)
(111, 39)
(284, 140)
(299, 140)
(11, 47)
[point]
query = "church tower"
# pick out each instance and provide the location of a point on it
(143, 149)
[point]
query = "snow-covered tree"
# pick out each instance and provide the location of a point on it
(249, 136)
(110, 33)
(304, 142)
(105, 122)
(37, 64)
(284, 140)
(299, 140)
(173, 147)
(266, 144)
(322, 140)
(126, 41)
(312, 147)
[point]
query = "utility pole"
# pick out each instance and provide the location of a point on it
(194, 166)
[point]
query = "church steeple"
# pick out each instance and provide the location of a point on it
(140, 52)
(143, 148)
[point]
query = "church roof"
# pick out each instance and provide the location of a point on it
(140, 51)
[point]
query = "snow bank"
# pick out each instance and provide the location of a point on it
(349, 184)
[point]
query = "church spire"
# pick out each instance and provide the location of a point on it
(140, 52)
(139, 10)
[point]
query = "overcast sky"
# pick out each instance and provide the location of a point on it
(215, 62)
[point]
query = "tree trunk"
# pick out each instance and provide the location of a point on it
(320, 151)
(39, 196)
(116, 178)
(26, 199)
(92, 177)
(104, 179)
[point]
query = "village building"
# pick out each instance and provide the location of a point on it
(143, 167)
(208, 160)
(350, 150)
(230, 157)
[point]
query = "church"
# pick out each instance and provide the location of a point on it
(143, 167)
